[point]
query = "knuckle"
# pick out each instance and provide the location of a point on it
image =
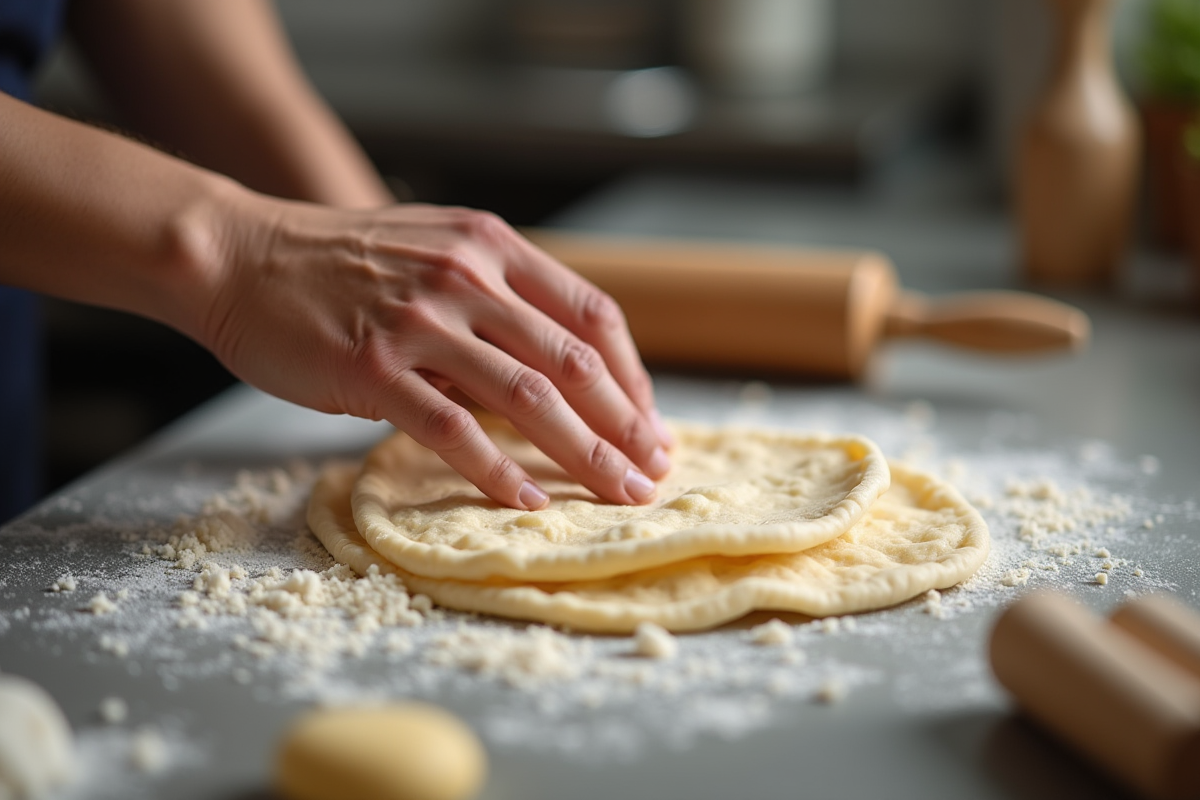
(600, 312)
(601, 456)
(633, 436)
(458, 271)
(531, 394)
(484, 226)
(448, 427)
(501, 471)
(581, 365)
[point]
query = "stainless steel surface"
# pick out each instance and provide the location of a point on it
(1137, 388)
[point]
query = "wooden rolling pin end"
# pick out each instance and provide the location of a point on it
(1121, 704)
(1166, 626)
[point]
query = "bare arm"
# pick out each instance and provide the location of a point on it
(217, 81)
(370, 313)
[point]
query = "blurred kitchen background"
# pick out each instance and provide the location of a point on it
(524, 107)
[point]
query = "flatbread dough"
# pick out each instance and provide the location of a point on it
(920, 535)
(730, 492)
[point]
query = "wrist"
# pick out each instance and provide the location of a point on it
(206, 237)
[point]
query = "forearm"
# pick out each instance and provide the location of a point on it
(90, 216)
(217, 81)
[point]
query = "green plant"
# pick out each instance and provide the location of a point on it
(1170, 55)
(1191, 140)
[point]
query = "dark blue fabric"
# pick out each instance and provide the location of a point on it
(20, 395)
(28, 29)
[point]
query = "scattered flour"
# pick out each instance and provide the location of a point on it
(654, 641)
(113, 710)
(774, 633)
(240, 592)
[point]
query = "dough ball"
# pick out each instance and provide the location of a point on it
(397, 752)
(36, 749)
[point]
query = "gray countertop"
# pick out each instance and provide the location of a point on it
(922, 717)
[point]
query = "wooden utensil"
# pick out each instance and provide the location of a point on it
(1077, 171)
(1123, 693)
(788, 309)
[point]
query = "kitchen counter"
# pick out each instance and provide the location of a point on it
(921, 716)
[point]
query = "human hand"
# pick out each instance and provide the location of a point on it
(379, 314)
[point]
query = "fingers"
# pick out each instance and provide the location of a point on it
(453, 433)
(591, 315)
(579, 372)
(532, 403)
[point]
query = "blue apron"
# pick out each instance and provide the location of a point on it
(28, 29)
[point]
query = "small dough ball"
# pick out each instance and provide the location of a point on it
(397, 752)
(36, 749)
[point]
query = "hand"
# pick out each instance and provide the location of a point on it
(379, 313)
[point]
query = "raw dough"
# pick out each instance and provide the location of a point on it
(730, 492)
(37, 753)
(397, 752)
(920, 535)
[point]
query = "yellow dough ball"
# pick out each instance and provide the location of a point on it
(397, 752)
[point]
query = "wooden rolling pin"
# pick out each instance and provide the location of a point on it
(796, 310)
(1125, 703)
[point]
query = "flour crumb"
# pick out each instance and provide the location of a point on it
(654, 641)
(1101, 578)
(775, 633)
(1016, 577)
(1137, 572)
(148, 751)
(66, 583)
(933, 604)
(113, 710)
(830, 625)
(1147, 524)
(520, 658)
(101, 605)
(114, 645)
(1102, 553)
(830, 691)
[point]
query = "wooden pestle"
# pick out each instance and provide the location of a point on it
(789, 309)
(1132, 711)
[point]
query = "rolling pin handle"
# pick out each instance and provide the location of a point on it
(995, 321)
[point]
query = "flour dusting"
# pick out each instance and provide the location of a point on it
(238, 590)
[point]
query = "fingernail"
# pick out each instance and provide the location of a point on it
(659, 464)
(638, 486)
(532, 497)
(660, 428)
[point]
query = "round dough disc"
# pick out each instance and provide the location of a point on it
(920, 535)
(730, 492)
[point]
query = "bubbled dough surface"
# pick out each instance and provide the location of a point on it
(413, 751)
(920, 535)
(729, 492)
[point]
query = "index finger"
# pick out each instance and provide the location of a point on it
(589, 313)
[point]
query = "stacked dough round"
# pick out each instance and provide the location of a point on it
(745, 520)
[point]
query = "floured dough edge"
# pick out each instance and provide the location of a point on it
(373, 520)
(331, 520)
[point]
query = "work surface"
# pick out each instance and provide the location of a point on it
(1110, 437)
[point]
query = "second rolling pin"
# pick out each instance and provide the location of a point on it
(794, 310)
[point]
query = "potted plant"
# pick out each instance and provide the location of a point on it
(1170, 62)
